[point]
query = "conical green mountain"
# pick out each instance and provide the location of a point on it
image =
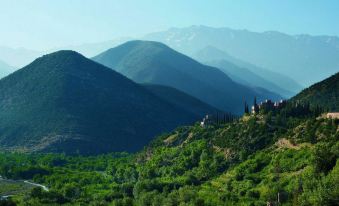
(64, 102)
(324, 93)
(156, 63)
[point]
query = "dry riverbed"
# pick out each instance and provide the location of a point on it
(14, 187)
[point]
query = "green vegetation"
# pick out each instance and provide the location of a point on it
(13, 187)
(258, 159)
(324, 94)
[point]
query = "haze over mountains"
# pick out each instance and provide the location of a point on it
(64, 102)
(246, 73)
(5, 69)
(306, 58)
(156, 63)
(18, 57)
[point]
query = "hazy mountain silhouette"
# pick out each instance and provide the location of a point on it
(156, 63)
(18, 57)
(92, 49)
(247, 73)
(305, 58)
(5, 69)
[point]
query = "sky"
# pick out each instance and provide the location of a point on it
(45, 24)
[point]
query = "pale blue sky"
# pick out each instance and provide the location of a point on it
(42, 24)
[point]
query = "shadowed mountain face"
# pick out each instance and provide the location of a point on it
(305, 58)
(64, 102)
(248, 74)
(182, 100)
(324, 94)
(155, 63)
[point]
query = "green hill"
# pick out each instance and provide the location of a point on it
(63, 102)
(156, 63)
(324, 93)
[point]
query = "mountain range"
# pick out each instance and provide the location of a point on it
(247, 73)
(155, 63)
(18, 57)
(64, 102)
(305, 58)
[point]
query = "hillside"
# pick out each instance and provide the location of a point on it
(63, 102)
(305, 58)
(256, 160)
(248, 73)
(324, 94)
(156, 63)
(182, 100)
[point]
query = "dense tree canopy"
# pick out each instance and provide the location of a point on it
(272, 157)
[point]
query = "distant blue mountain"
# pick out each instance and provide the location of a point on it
(307, 59)
(18, 57)
(156, 63)
(248, 74)
(5, 69)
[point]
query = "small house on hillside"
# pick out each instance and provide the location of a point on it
(268, 105)
(207, 120)
(332, 115)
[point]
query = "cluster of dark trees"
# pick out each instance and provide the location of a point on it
(223, 118)
(290, 109)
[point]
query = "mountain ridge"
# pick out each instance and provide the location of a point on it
(313, 56)
(156, 63)
(247, 73)
(324, 94)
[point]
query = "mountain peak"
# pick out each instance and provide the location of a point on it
(155, 63)
(142, 44)
(65, 54)
(65, 102)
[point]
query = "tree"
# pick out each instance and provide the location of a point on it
(246, 108)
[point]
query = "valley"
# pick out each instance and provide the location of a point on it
(252, 160)
(169, 103)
